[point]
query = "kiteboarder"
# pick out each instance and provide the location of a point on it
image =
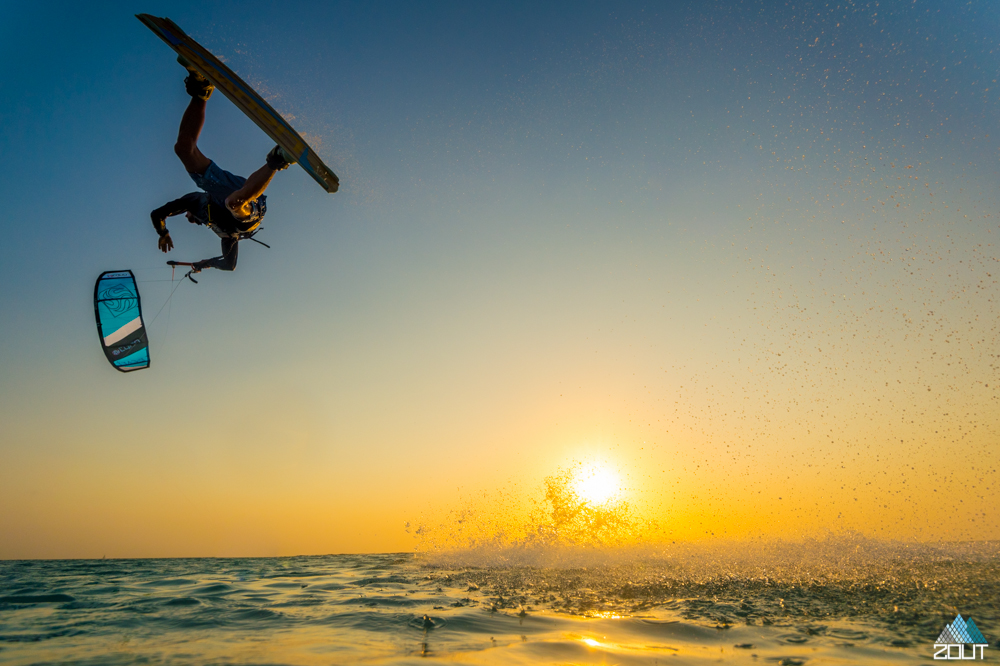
(230, 205)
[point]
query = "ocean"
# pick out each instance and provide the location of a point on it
(835, 601)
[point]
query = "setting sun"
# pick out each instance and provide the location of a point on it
(596, 484)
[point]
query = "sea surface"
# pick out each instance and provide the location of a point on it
(845, 602)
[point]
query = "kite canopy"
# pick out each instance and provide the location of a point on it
(119, 321)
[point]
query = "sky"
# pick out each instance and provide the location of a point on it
(742, 254)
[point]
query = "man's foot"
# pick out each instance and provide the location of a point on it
(195, 84)
(279, 159)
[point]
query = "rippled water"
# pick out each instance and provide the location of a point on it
(860, 603)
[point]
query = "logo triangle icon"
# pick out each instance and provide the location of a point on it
(947, 636)
(959, 630)
(975, 635)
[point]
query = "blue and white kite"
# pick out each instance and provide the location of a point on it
(119, 321)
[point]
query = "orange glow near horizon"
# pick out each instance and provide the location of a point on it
(618, 288)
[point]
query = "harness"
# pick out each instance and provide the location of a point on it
(248, 233)
(240, 234)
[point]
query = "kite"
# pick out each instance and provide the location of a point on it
(119, 321)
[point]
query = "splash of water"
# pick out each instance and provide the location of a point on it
(555, 527)
(570, 556)
(548, 528)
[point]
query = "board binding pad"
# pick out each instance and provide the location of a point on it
(244, 97)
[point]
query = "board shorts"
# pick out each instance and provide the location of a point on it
(219, 184)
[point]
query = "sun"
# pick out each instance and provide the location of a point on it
(596, 484)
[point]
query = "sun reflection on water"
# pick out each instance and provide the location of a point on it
(605, 615)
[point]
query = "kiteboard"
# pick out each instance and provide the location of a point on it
(244, 97)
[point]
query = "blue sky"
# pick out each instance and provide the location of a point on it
(565, 231)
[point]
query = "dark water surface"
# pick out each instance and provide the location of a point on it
(733, 604)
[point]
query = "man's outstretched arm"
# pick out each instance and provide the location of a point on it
(186, 204)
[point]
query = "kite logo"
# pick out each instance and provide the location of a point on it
(118, 299)
(124, 348)
(956, 637)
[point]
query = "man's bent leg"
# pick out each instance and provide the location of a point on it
(227, 262)
(187, 138)
(253, 188)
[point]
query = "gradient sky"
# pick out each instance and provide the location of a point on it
(744, 253)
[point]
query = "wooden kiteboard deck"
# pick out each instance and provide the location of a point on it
(244, 97)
